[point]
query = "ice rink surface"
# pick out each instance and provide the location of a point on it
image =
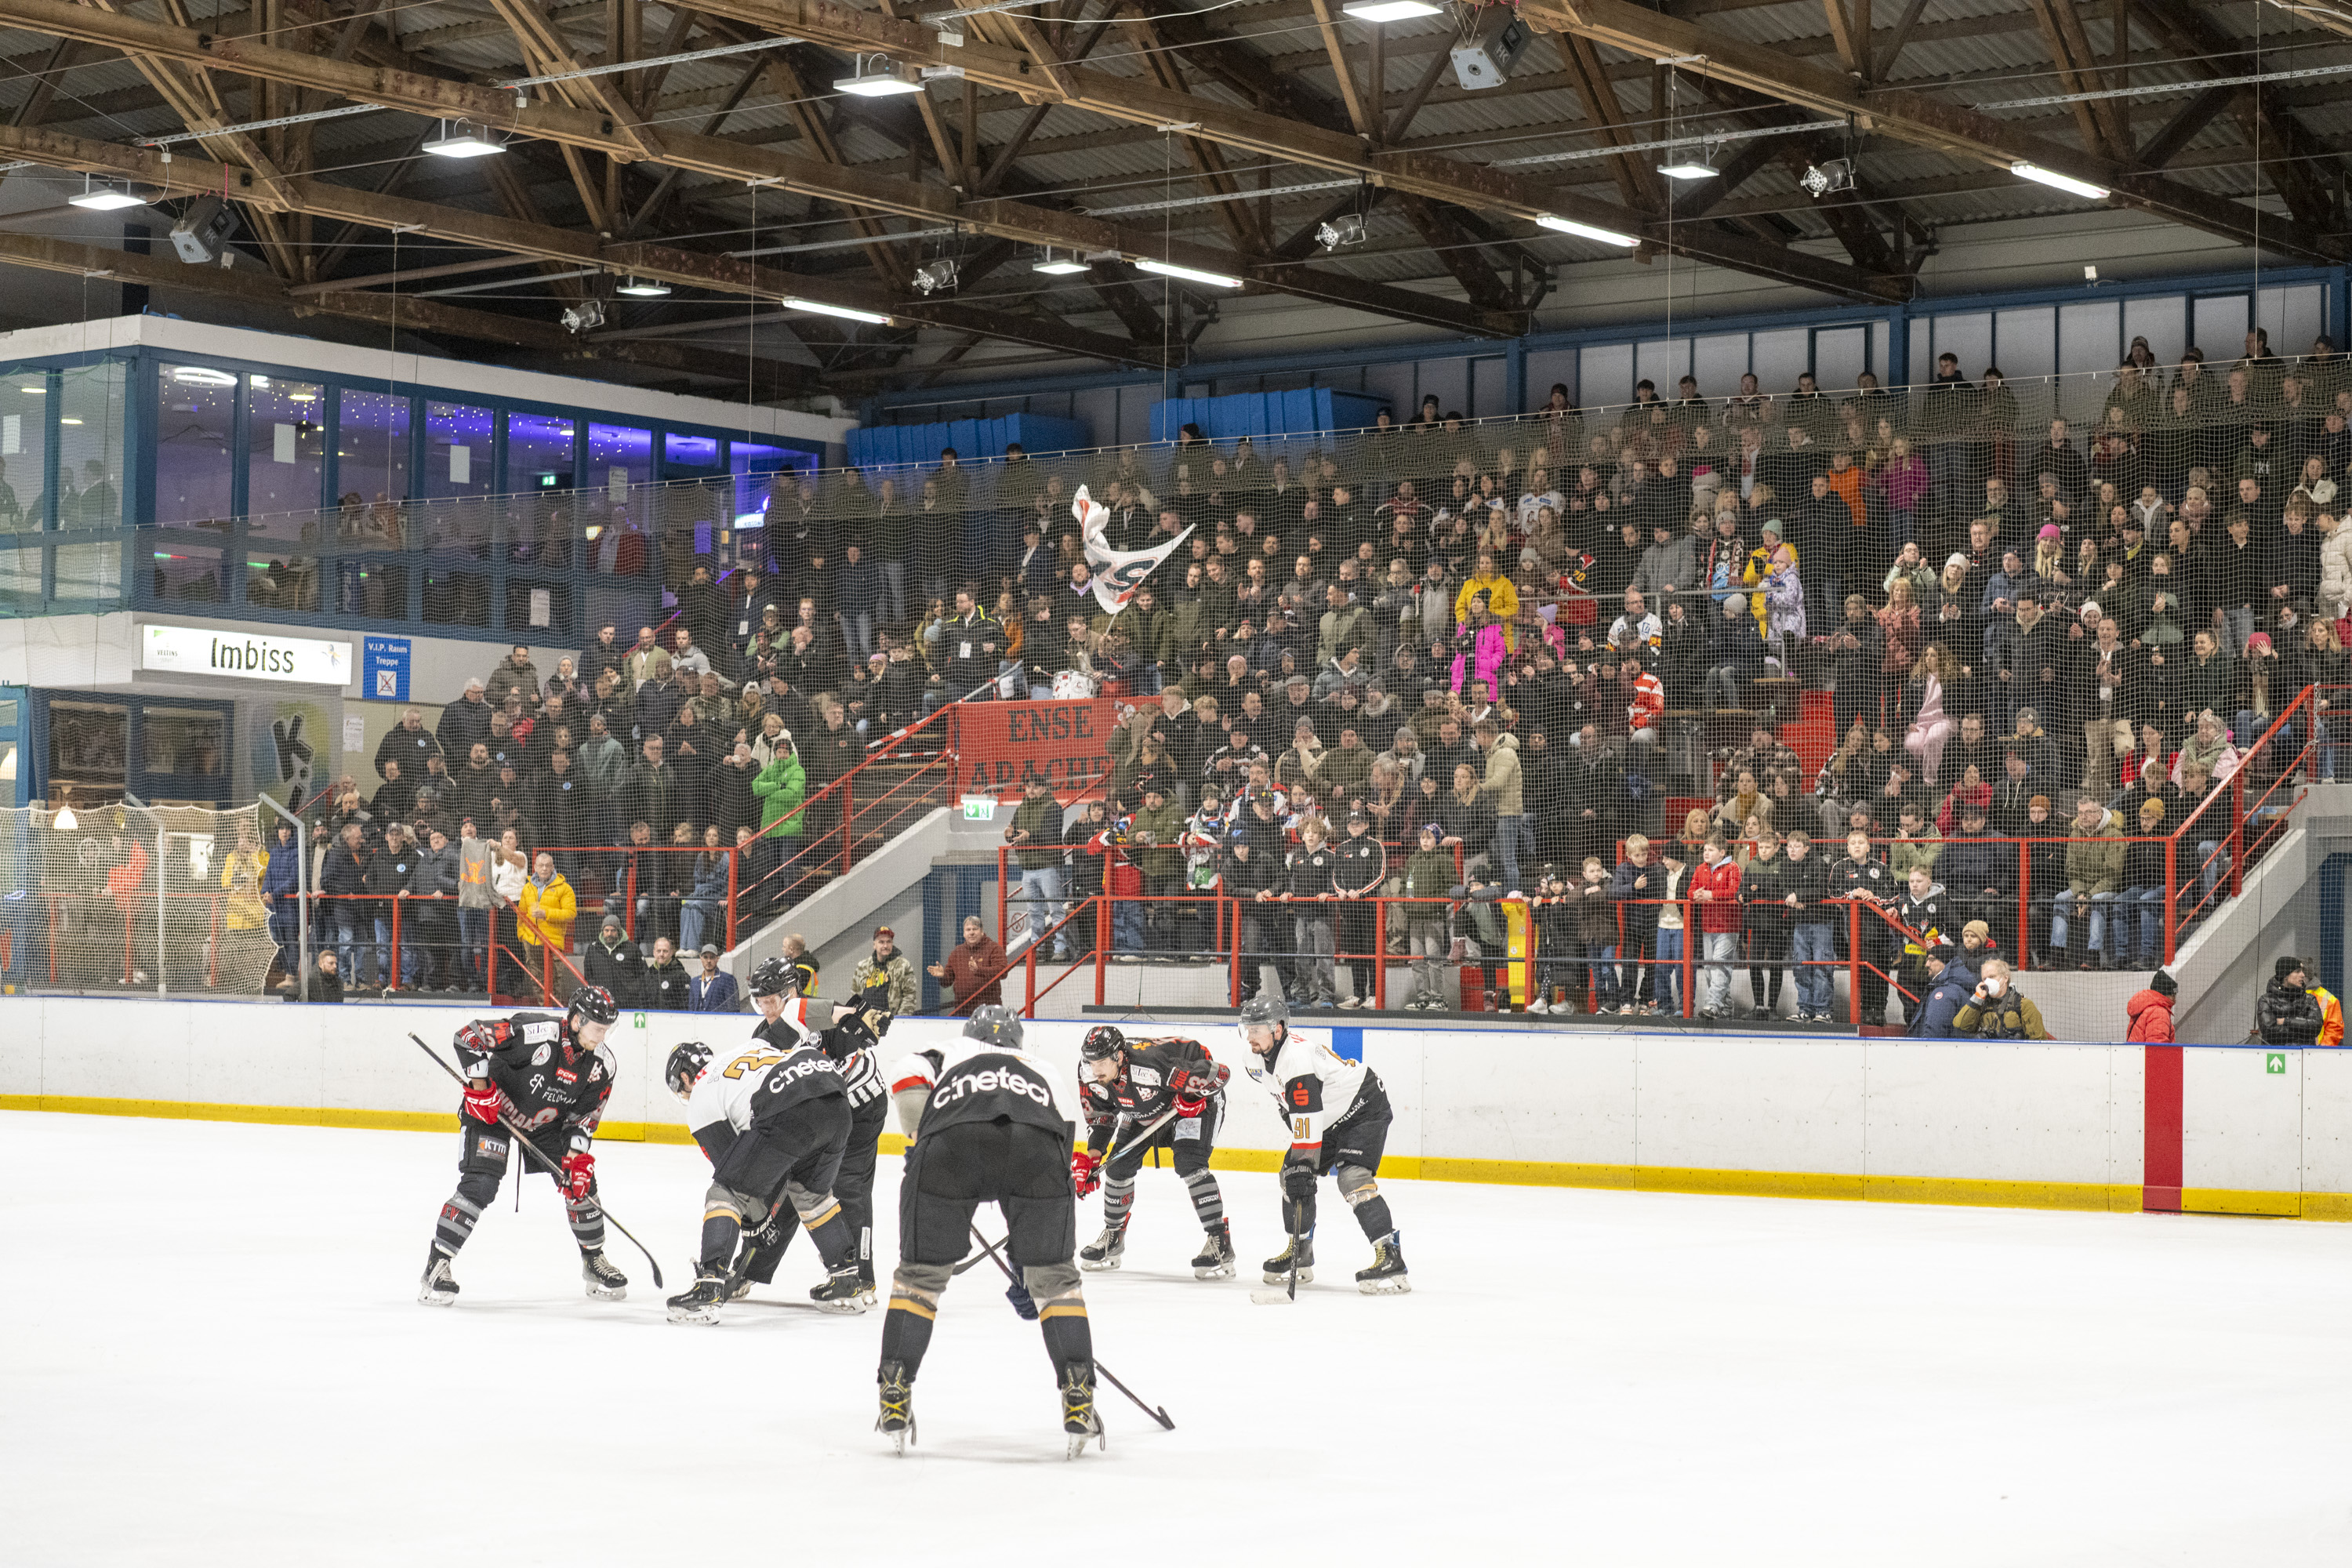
(211, 1353)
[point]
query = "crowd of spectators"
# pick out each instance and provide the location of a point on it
(1521, 637)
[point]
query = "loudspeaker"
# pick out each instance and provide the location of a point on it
(203, 230)
(1494, 46)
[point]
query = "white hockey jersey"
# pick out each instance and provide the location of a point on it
(734, 1089)
(1313, 1086)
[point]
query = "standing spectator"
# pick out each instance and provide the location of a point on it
(1308, 891)
(516, 676)
(548, 907)
(666, 981)
(1811, 942)
(649, 792)
(2151, 1010)
(1429, 873)
(713, 990)
(1035, 836)
(2144, 886)
(1501, 787)
(2287, 1013)
(432, 912)
(887, 967)
(1766, 897)
(509, 873)
(705, 906)
(281, 895)
(1635, 886)
(973, 969)
(1715, 889)
(476, 856)
(1157, 832)
(1360, 865)
(613, 962)
(465, 723)
(343, 884)
(409, 743)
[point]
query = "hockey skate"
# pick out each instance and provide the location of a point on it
(1079, 1422)
(1216, 1258)
(1277, 1268)
(742, 1289)
(842, 1291)
(605, 1282)
(1386, 1276)
(700, 1303)
(436, 1288)
(1106, 1251)
(896, 1421)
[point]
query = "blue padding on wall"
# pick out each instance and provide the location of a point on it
(1303, 412)
(1348, 1043)
(918, 446)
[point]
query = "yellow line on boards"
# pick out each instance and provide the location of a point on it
(1831, 1185)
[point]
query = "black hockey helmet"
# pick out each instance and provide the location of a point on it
(1102, 1041)
(997, 1026)
(686, 1064)
(773, 977)
(1263, 1010)
(595, 1003)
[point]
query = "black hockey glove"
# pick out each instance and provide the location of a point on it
(1297, 1179)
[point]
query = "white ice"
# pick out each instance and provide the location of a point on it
(210, 1351)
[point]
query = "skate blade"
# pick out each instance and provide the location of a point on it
(902, 1440)
(1272, 1299)
(436, 1298)
(1078, 1441)
(1402, 1285)
(694, 1315)
(1104, 1266)
(1306, 1277)
(609, 1293)
(1221, 1272)
(846, 1307)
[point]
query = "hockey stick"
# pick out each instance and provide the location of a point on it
(552, 1168)
(988, 1249)
(1294, 1214)
(1109, 1150)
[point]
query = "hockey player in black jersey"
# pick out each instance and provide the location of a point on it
(1126, 1086)
(787, 1020)
(774, 1121)
(986, 1129)
(1338, 1112)
(550, 1075)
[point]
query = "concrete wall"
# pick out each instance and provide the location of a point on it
(2055, 1125)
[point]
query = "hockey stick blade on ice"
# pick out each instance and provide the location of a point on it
(1288, 1295)
(552, 1168)
(988, 1250)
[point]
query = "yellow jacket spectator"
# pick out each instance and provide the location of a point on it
(241, 873)
(1502, 598)
(548, 906)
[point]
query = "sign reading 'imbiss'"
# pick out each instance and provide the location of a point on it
(243, 656)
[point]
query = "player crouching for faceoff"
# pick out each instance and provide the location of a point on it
(1126, 1086)
(1338, 1112)
(774, 1122)
(551, 1076)
(985, 1129)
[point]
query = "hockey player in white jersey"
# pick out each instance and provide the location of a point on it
(774, 1123)
(1338, 1114)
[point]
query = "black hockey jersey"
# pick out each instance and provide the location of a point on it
(1145, 1090)
(758, 1085)
(546, 1077)
(970, 1081)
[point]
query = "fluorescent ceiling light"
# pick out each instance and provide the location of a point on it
(642, 288)
(1390, 10)
(2057, 181)
(202, 376)
(1169, 270)
(844, 312)
(464, 141)
(1585, 230)
(881, 80)
(104, 198)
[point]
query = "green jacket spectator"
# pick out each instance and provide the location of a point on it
(1163, 825)
(2094, 851)
(782, 785)
(1040, 817)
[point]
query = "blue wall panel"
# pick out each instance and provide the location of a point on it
(896, 445)
(1264, 413)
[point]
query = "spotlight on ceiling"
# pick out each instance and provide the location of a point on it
(1348, 229)
(936, 276)
(642, 288)
(461, 139)
(877, 76)
(1059, 265)
(104, 198)
(1820, 179)
(584, 317)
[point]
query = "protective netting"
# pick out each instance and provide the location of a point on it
(124, 897)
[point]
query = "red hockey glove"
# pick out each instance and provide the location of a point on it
(482, 1104)
(1188, 1106)
(1086, 1171)
(578, 1174)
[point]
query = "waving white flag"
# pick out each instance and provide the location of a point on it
(1115, 573)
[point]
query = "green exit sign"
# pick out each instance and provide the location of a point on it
(979, 808)
(2274, 1062)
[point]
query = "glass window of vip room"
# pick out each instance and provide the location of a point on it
(24, 425)
(371, 480)
(543, 512)
(697, 502)
(196, 461)
(90, 412)
(620, 466)
(454, 524)
(284, 485)
(754, 467)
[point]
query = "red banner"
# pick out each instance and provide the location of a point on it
(1000, 743)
